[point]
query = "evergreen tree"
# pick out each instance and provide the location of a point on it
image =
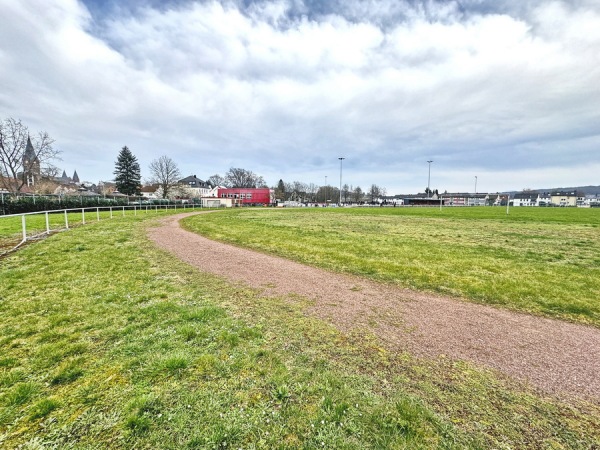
(280, 190)
(127, 173)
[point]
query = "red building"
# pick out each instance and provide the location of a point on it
(247, 196)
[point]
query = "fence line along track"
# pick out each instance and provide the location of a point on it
(90, 210)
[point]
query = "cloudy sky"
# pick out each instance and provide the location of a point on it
(505, 90)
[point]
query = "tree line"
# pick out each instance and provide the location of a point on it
(312, 193)
(16, 163)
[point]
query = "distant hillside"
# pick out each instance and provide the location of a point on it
(587, 190)
(593, 190)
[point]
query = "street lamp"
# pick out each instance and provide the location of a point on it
(429, 178)
(341, 160)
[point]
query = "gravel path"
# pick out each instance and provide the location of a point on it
(554, 356)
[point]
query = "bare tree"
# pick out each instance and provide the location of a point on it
(217, 180)
(312, 190)
(300, 189)
(345, 192)
(242, 178)
(21, 157)
(358, 194)
(165, 173)
(374, 192)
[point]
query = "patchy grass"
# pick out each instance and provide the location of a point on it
(118, 345)
(539, 260)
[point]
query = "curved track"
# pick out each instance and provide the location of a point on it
(554, 356)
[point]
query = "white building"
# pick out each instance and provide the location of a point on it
(526, 199)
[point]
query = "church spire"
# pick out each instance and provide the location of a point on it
(29, 151)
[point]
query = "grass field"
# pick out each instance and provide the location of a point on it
(11, 228)
(540, 260)
(109, 343)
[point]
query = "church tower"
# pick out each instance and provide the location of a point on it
(31, 164)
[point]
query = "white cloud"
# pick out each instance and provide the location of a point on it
(284, 90)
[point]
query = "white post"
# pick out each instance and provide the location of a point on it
(440, 202)
(135, 210)
(47, 224)
(66, 220)
(111, 212)
(98, 214)
(24, 228)
(83, 215)
(507, 203)
(123, 211)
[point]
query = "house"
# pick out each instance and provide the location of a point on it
(477, 199)
(455, 199)
(248, 196)
(545, 199)
(199, 187)
(526, 199)
(149, 191)
(592, 200)
(464, 199)
(564, 198)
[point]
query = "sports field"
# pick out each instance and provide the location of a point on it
(540, 260)
(108, 342)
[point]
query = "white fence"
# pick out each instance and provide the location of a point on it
(87, 213)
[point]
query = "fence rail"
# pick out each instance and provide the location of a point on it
(93, 214)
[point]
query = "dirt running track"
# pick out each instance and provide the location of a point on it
(557, 357)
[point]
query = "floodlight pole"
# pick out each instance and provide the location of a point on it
(341, 160)
(429, 178)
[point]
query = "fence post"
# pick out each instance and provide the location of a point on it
(47, 224)
(123, 211)
(98, 214)
(66, 220)
(83, 215)
(135, 210)
(24, 228)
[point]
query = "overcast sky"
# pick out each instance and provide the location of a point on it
(505, 90)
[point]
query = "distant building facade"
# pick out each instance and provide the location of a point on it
(248, 196)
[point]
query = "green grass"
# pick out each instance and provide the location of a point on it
(11, 228)
(119, 345)
(540, 260)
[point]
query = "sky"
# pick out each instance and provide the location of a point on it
(505, 92)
